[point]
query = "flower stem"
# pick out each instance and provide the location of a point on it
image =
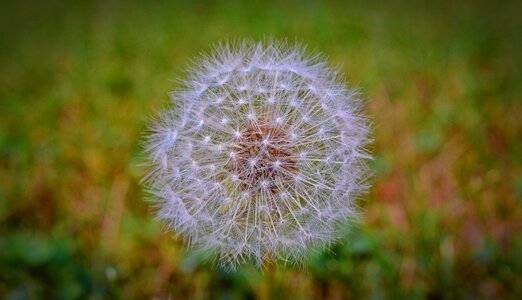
(267, 287)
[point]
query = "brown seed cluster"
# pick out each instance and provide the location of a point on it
(262, 157)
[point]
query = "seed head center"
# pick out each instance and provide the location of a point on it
(261, 156)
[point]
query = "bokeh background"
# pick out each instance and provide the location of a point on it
(79, 81)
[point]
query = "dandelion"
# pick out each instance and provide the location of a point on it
(261, 156)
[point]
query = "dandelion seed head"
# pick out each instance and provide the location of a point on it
(261, 155)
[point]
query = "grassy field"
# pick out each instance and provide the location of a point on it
(443, 82)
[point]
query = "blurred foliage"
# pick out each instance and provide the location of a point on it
(78, 81)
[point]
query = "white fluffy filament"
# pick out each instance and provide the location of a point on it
(261, 155)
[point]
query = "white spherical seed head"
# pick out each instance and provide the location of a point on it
(261, 155)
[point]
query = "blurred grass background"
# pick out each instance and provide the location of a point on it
(78, 81)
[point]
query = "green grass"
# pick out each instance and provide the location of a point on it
(78, 83)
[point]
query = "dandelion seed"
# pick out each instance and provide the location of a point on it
(261, 155)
